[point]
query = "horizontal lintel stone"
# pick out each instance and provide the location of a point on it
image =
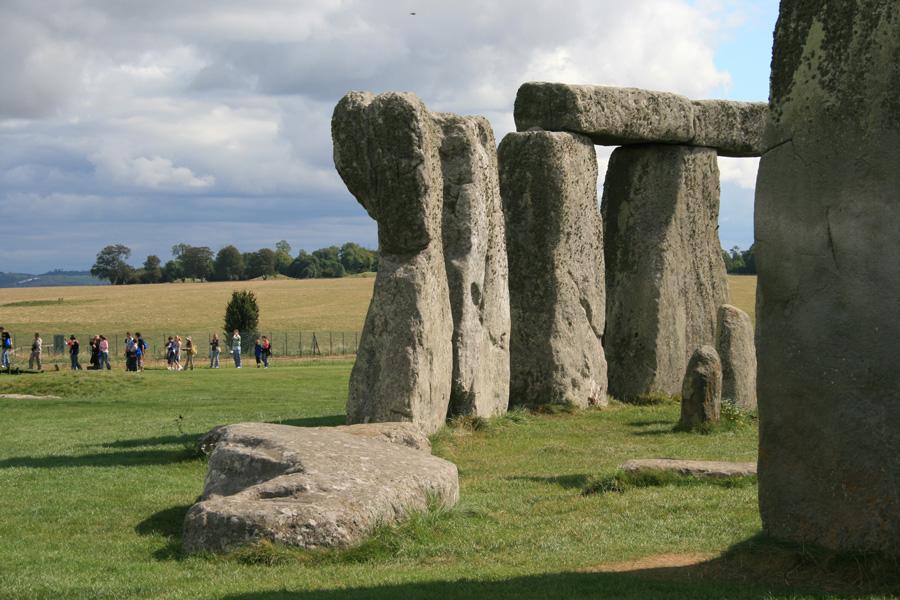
(614, 116)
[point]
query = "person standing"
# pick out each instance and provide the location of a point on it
(214, 350)
(74, 347)
(236, 348)
(266, 351)
(178, 346)
(37, 346)
(6, 342)
(190, 351)
(94, 345)
(103, 347)
(141, 345)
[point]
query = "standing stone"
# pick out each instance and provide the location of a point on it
(475, 258)
(665, 276)
(828, 257)
(701, 391)
(554, 238)
(386, 149)
(734, 343)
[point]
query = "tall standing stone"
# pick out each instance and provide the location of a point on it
(734, 343)
(701, 390)
(554, 238)
(386, 149)
(828, 257)
(475, 258)
(665, 277)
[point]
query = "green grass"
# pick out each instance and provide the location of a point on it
(94, 488)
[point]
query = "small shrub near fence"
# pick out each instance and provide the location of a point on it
(284, 343)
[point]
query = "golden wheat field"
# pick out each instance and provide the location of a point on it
(285, 305)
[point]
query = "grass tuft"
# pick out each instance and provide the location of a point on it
(623, 481)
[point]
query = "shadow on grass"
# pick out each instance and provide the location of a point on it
(754, 569)
(650, 423)
(162, 440)
(167, 522)
(568, 482)
(105, 459)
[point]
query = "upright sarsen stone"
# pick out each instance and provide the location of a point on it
(475, 258)
(554, 238)
(734, 343)
(665, 277)
(828, 258)
(701, 390)
(386, 149)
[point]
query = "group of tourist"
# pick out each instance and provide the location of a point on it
(136, 350)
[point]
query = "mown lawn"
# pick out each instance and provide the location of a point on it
(94, 487)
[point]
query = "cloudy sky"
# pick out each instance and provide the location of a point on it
(152, 123)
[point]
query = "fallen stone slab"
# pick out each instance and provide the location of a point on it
(29, 397)
(310, 487)
(614, 116)
(693, 468)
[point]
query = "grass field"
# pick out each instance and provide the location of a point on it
(285, 304)
(94, 487)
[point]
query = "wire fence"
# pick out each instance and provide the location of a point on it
(284, 343)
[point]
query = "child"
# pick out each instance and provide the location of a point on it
(143, 347)
(258, 352)
(190, 350)
(266, 351)
(170, 353)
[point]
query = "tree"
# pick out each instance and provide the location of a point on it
(329, 261)
(171, 271)
(305, 266)
(261, 263)
(111, 265)
(357, 259)
(229, 264)
(179, 249)
(152, 272)
(196, 262)
(282, 257)
(242, 313)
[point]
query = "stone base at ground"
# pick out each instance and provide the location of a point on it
(693, 468)
(312, 487)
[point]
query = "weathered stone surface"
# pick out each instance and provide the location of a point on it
(694, 468)
(701, 392)
(309, 487)
(616, 116)
(477, 273)
(665, 277)
(734, 343)
(554, 238)
(828, 257)
(386, 149)
(732, 128)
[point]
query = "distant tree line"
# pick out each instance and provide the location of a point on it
(230, 264)
(740, 262)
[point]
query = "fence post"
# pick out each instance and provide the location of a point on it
(301, 343)
(330, 344)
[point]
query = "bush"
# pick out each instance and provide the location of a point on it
(242, 314)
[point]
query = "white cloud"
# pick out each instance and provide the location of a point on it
(169, 101)
(739, 171)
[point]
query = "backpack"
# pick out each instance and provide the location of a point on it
(7, 342)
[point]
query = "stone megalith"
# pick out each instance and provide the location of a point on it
(386, 150)
(554, 240)
(701, 390)
(477, 273)
(734, 343)
(828, 258)
(665, 277)
(614, 116)
(312, 487)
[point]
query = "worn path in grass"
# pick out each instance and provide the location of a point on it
(94, 487)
